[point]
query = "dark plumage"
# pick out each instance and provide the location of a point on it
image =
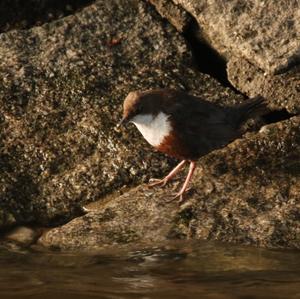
(197, 127)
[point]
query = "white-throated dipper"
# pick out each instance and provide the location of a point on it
(185, 126)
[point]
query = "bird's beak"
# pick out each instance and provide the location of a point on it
(122, 122)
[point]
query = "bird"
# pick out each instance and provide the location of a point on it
(185, 126)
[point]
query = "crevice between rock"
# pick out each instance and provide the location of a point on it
(207, 60)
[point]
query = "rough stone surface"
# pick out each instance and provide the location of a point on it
(6, 218)
(15, 14)
(282, 90)
(267, 33)
(175, 14)
(61, 89)
(246, 193)
(23, 235)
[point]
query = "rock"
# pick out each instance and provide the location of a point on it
(175, 14)
(16, 15)
(133, 217)
(245, 193)
(6, 219)
(282, 90)
(260, 31)
(61, 91)
(23, 235)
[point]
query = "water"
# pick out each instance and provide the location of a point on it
(174, 270)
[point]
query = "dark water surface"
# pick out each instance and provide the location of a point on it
(176, 270)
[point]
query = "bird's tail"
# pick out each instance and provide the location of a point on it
(250, 109)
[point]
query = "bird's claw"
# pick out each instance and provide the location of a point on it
(156, 182)
(179, 196)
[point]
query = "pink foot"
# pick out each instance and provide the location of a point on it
(164, 181)
(185, 188)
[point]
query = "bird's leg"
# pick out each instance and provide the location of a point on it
(187, 180)
(165, 180)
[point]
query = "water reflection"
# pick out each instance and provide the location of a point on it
(174, 270)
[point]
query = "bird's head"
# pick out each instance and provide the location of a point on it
(140, 107)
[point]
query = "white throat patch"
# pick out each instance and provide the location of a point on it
(154, 129)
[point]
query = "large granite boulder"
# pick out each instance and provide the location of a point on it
(267, 33)
(61, 91)
(246, 193)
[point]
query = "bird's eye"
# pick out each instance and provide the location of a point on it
(138, 110)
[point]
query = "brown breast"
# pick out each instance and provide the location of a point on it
(174, 147)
